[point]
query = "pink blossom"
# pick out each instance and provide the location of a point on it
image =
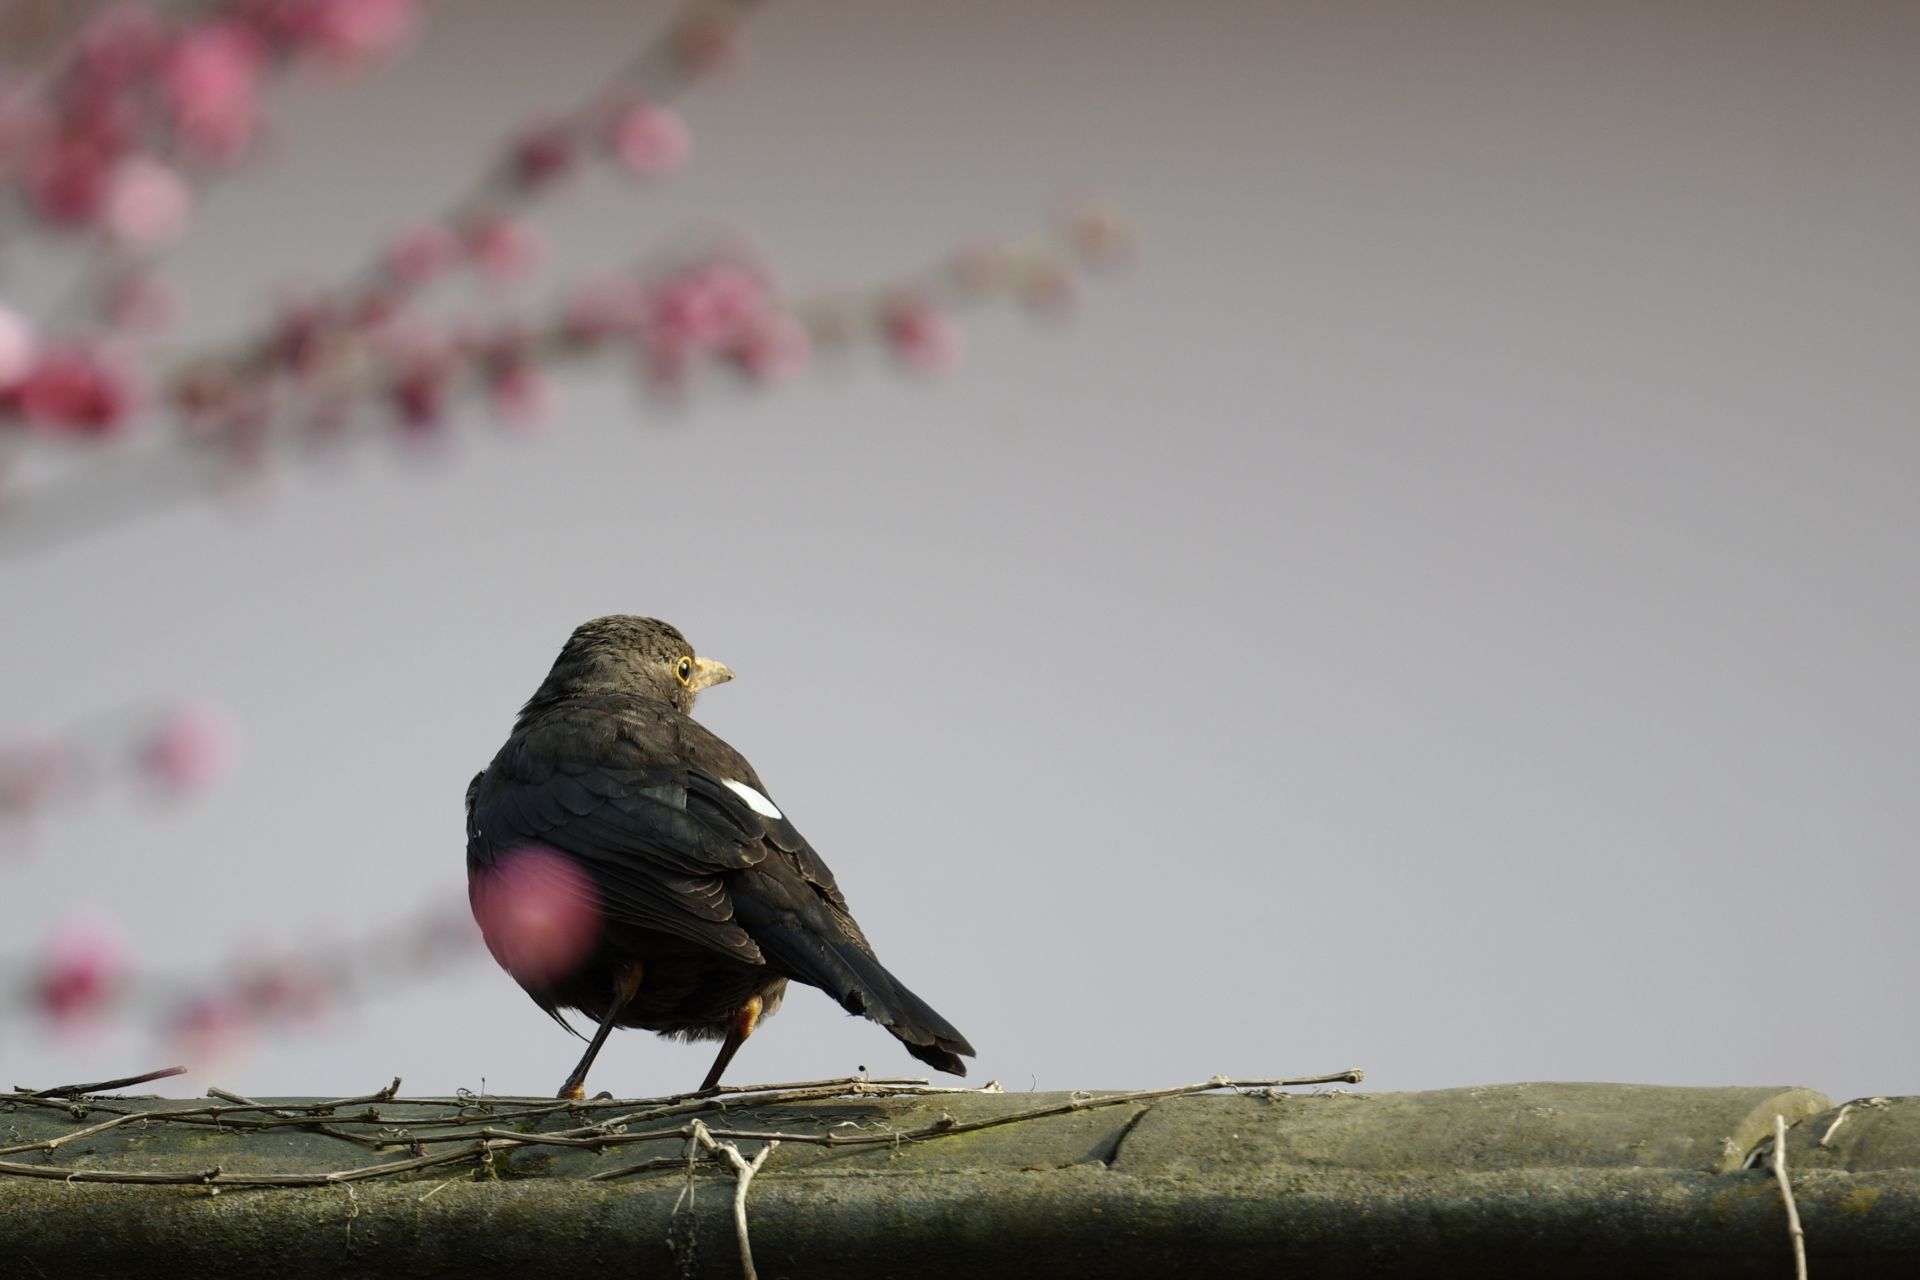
(84, 967)
(921, 337)
(706, 306)
(120, 43)
(67, 182)
(16, 347)
(599, 308)
(506, 249)
(772, 346)
(649, 141)
(139, 302)
(419, 391)
(191, 748)
(73, 389)
(418, 254)
(350, 33)
(538, 912)
(208, 1027)
(666, 361)
(303, 333)
(522, 397)
(283, 990)
(542, 156)
(147, 203)
(211, 83)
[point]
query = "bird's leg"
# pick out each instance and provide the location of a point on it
(625, 984)
(745, 1018)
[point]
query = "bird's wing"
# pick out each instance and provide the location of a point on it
(728, 783)
(609, 783)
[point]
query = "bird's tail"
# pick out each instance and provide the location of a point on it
(850, 974)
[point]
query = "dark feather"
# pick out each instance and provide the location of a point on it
(636, 794)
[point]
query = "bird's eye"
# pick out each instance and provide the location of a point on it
(684, 671)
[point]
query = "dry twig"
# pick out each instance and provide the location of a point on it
(1841, 1117)
(101, 1086)
(1779, 1163)
(472, 1133)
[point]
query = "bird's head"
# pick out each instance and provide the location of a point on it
(625, 654)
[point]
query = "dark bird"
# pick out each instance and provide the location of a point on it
(625, 862)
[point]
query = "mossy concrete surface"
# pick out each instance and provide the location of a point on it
(1506, 1180)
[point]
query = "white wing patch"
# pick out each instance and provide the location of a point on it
(755, 801)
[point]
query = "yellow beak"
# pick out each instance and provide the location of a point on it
(707, 673)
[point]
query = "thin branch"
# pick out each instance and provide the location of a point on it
(744, 1170)
(946, 1126)
(101, 1086)
(48, 1144)
(1786, 1193)
(331, 1131)
(217, 1177)
(480, 1144)
(1840, 1118)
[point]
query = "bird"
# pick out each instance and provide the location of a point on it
(626, 863)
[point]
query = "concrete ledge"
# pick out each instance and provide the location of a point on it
(1560, 1179)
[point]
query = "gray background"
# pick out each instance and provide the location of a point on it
(1448, 609)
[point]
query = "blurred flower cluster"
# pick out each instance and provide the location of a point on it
(168, 752)
(111, 137)
(85, 976)
(112, 132)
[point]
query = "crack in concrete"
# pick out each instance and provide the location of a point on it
(1126, 1131)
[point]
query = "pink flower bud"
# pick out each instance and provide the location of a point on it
(420, 253)
(542, 157)
(538, 911)
(506, 249)
(67, 183)
(419, 394)
(666, 362)
(600, 308)
(283, 990)
(349, 34)
(73, 389)
(211, 84)
(921, 337)
(208, 1027)
(303, 333)
(522, 397)
(191, 748)
(84, 967)
(120, 44)
(139, 302)
(649, 141)
(704, 307)
(772, 347)
(147, 203)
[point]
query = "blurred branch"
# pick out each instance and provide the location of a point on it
(84, 976)
(361, 382)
